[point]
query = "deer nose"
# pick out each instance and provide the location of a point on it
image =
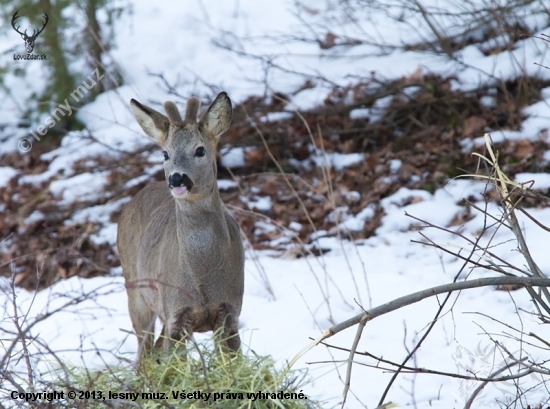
(177, 180)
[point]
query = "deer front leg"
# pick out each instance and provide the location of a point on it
(226, 319)
(143, 321)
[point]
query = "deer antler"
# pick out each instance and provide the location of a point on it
(34, 33)
(43, 27)
(15, 17)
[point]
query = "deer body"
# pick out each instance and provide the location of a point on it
(181, 252)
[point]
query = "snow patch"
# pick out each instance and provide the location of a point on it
(276, 116)
(232, 157)
(359, 113)
(86, 186)
(226, 184)
(541, 180)
(338, 161)
(6, 173)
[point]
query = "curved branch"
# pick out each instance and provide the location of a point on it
(419, 296)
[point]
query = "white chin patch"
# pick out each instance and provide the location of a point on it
(179, 192)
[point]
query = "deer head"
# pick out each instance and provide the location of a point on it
(29, 40)
(189, 147)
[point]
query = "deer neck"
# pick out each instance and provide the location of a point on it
(199, 218)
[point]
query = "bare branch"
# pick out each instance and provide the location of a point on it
(360, 328)
(471, 399)
(419, 296)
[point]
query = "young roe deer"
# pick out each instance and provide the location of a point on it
(181, 252)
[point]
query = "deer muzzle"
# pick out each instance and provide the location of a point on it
(179, 184)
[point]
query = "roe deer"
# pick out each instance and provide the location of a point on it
(181, 252)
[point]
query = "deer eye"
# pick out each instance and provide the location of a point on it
(166, 157)
(200, 152)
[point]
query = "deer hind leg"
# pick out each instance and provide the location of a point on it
(177, 328)
(226, 319)
(160, 340)
(143, 321)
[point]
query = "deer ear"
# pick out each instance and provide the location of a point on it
(153, 123)
(217, 118)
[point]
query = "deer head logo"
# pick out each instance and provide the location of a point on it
(29, 40)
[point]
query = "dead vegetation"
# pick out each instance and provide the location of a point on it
(417, 141)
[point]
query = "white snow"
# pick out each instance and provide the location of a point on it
(263, 227)
(487, 101)
(338, 161)
(395, 165)
(359, 113)
(260, 203)
(534, 180)
(353, 196)
(97, 214)
(35, 216)
(232, 158)
(137, 181)
(82, 187)
(224, 184)
(276, 116)
(6, 173)
(295, 226)
(379, 107)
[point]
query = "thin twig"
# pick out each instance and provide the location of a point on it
(21, 334)
(352, 350)
(412, 369)
(471, 399)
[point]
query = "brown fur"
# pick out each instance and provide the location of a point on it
(182, 257)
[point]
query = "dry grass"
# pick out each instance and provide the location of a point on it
(226, 381)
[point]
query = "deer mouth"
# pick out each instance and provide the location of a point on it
(179, 191)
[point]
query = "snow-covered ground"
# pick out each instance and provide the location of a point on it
(288, 300)
(296, 299)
